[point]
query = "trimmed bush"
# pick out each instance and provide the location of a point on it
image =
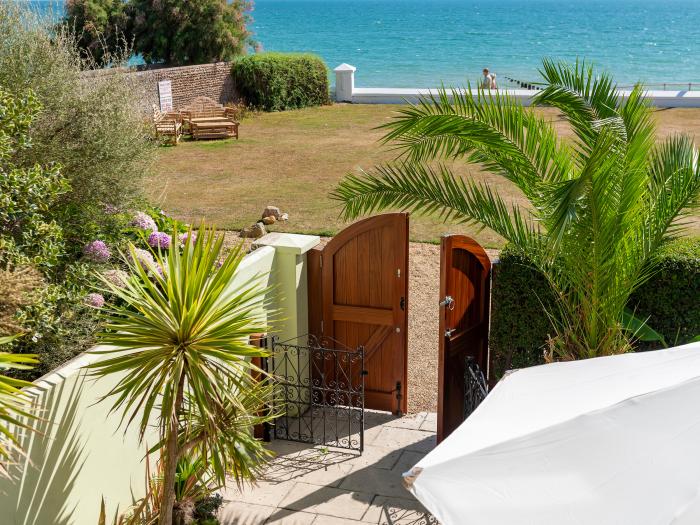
(521, 298)
(671, 300)
(279, 81)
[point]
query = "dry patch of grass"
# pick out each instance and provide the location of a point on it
(295, 159)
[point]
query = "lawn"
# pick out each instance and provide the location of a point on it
(295, 159)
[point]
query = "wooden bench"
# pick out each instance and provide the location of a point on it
(204, 118)
(167, 125)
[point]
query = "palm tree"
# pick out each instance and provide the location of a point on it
(181, 346)
(14, 405)
(600, 205)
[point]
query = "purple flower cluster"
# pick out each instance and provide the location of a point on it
(116, 277)
(144, 221)
(144, 258)
(95, 300)
(188, 236)
(159, 240)
(97, 251)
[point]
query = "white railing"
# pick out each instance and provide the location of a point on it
(345, 91)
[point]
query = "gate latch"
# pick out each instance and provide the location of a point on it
(448, 302)
(450, 331)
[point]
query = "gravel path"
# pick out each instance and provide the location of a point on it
(423, 297)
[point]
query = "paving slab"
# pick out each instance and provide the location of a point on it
(404, 438)
(407, 461)
(397, 511)
(327, 500)
(316, 465)
(430, 422)
(317, 485)
(376, 481)
(263, 493)
(413, 421)
(239, 513)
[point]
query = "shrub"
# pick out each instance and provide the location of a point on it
(671, 299)
(521, 297)
(91, 126)
(73, 151)
(279, 81)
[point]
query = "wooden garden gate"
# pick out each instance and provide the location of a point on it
(358, 297)
(465, 283)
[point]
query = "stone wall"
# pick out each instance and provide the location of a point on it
(210, 80)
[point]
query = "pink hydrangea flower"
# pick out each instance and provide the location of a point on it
(144, 221)
(95, 300)
(159, 240)
(97, 251)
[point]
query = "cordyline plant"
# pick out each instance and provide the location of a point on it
(14, 405)
(600, 205)
(181, 346)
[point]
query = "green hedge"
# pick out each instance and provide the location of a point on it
(279, 81)
(520, 327)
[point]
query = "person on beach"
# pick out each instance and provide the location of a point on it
(486, 82)
(494, 85)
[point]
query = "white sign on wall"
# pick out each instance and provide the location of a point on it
(165, 92)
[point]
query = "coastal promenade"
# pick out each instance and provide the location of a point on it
(346, 91)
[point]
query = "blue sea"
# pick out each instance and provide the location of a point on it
(422, 43)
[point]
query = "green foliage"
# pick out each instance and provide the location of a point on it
(520, 325)
(279, 81)
(71, 147)
(521, 298)
(670, 299)
(27, 194)
(180, 349)
(179, 32)
(100, 27)
(92, 127)
(600, 206)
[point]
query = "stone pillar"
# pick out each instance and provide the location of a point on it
(290, 293)
(344, 82)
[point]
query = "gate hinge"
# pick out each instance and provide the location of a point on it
(321, 326)
(320, 261)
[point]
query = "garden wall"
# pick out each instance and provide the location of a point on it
(209, 80)
(82, 454)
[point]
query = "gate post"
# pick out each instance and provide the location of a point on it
(290, 299)
(289, 279)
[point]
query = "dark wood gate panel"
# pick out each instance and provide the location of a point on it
(358, 296)
(465, 282)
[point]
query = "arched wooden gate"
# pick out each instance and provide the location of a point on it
(358, 296)
(465, 285)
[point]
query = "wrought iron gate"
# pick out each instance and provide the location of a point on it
(319, 392)
(475, 386)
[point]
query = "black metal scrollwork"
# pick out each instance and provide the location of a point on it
(475, 386)
(320, 391)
